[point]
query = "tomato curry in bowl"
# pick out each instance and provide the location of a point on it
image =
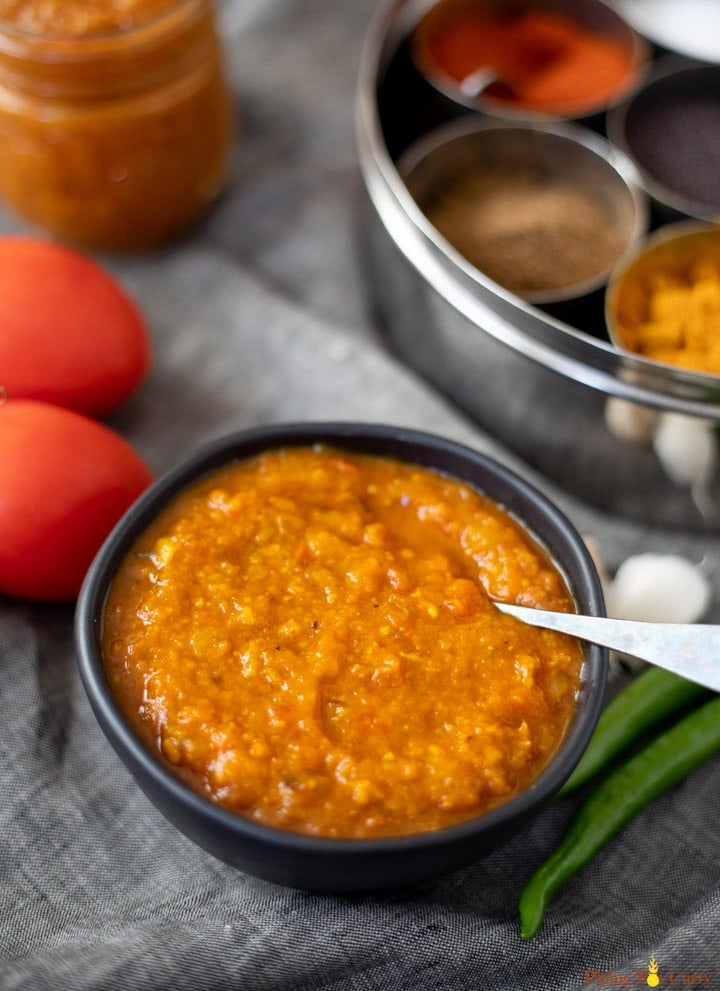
(291, 642)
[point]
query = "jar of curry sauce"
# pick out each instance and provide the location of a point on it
(115, 118)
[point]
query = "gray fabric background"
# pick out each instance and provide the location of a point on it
(265, 314)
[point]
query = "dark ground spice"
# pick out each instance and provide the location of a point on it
(528, 231)
(675, 138)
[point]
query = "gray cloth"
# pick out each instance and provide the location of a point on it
(264, 314)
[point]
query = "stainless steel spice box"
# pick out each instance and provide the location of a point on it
(501, 358)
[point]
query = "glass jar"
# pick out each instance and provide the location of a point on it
(114, 129)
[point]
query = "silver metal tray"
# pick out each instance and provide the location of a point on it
(497, 356)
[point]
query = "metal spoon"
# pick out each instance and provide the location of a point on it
(691, 650)
(478, 81)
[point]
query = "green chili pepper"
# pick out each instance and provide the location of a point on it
(661, 764)
(649, 699)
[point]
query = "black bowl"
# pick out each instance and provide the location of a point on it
(323, 864)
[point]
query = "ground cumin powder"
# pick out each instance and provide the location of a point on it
(527, 230)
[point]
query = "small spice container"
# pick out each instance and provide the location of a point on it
(664, 303)
(543, 211)
(114, 126)
(549, 59)
(671, 130)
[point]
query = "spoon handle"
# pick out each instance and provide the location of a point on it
(691, 650)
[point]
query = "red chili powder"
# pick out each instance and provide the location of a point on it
(544, 60)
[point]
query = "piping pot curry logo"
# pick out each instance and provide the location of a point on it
(653, 977)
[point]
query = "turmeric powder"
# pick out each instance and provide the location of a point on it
(667, 305)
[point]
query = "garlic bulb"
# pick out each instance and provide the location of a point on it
(662, 588)
(630, 421)
(687, 449)
(655, 588)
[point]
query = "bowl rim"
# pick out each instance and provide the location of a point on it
(367, 438)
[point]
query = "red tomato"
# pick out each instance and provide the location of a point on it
(66, 480)
(69, 334)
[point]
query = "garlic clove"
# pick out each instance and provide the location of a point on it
(630, 422)
(687, 449)
(661, 588)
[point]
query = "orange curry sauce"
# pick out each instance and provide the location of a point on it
(306, 638)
